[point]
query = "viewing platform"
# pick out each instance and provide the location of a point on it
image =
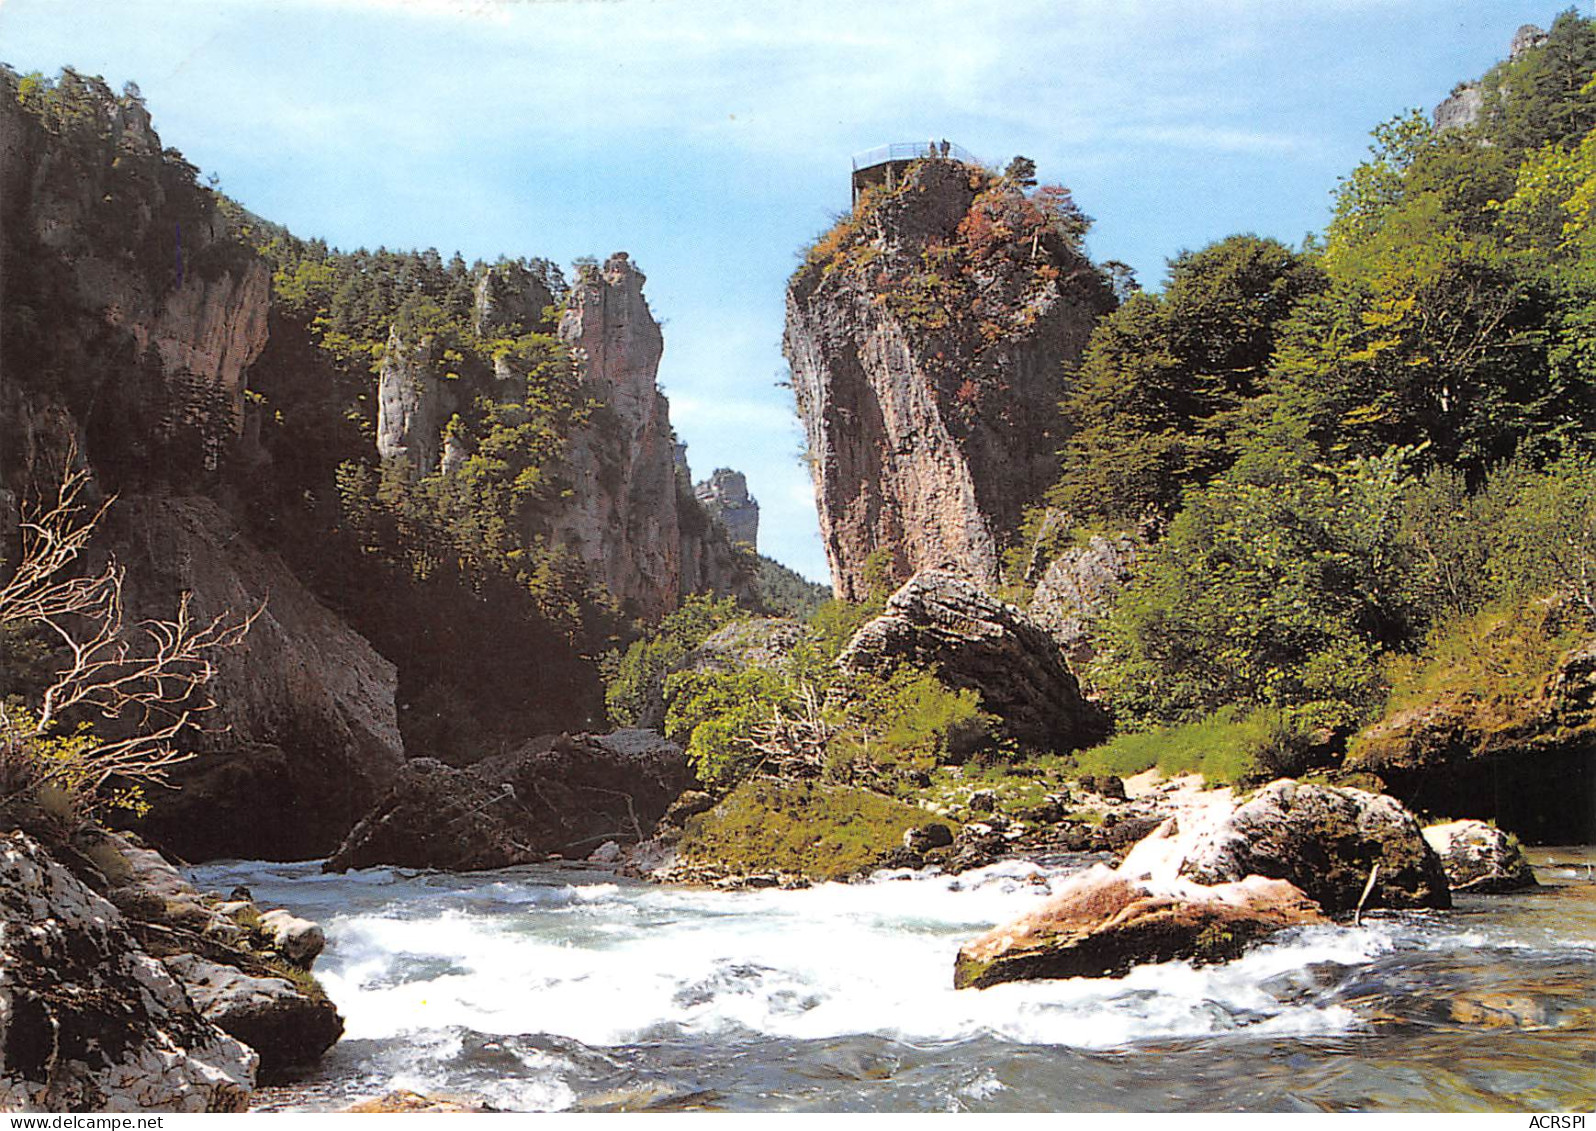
(885, 164)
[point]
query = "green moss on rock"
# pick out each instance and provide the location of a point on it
(805, 828)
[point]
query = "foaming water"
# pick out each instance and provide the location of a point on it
(550, 988)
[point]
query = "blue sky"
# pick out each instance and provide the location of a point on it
(711, 140)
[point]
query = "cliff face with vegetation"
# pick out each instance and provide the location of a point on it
(630, 521)
(448, 485)
(929, 334)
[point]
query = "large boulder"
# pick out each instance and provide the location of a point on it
(561, 795)
(1211, 880)
(938, 619)
(1479, 857)
(287, 1026)
(1326, 840)
(1101, 924)
(88, 1020)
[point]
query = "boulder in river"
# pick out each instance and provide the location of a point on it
(1101, 924)
(1479, 857)
(288, 1027)
(1204, 885)
(565, 795)
(1325, 839)
(88, 1020)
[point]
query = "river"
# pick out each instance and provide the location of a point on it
(562, 987)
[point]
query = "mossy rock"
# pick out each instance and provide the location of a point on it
(807, 828)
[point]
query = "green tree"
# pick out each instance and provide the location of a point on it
(1163, 374)
(1275, 587)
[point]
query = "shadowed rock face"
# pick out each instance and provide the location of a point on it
(1529, 765)
(305, 736)
(930, 425)
(88, 1020)
(975, 641)
(562, 794)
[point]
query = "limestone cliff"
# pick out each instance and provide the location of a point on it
(137, 255)
(133, 315)
(929, 335)
(1464, 106)
(628, 520)
(412, 405)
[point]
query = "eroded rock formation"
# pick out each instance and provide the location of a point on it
(928, 338)
(89, 1021)
(627, 520)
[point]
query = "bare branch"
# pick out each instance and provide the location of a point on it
(151, 677)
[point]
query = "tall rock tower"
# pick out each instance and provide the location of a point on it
(724, 495)
(929, 334)
(649, 542)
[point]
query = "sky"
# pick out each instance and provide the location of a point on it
(712, 141)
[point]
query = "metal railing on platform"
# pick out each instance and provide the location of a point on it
(912, 151)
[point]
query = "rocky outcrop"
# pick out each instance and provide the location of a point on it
(1463, 107)
(725, 498)
(1102, 924)
(198, 306)
(1077, 589)
(928, 336)
(510, 299)
(561, 795)
(1525, 39)
(939, 620)
(1528, 763)
(222, 953)
(1324, 839)
(305, 735)
(88, 1020)
(627, 521)
(288, 1028)
(411, 404)
(1479, 857)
